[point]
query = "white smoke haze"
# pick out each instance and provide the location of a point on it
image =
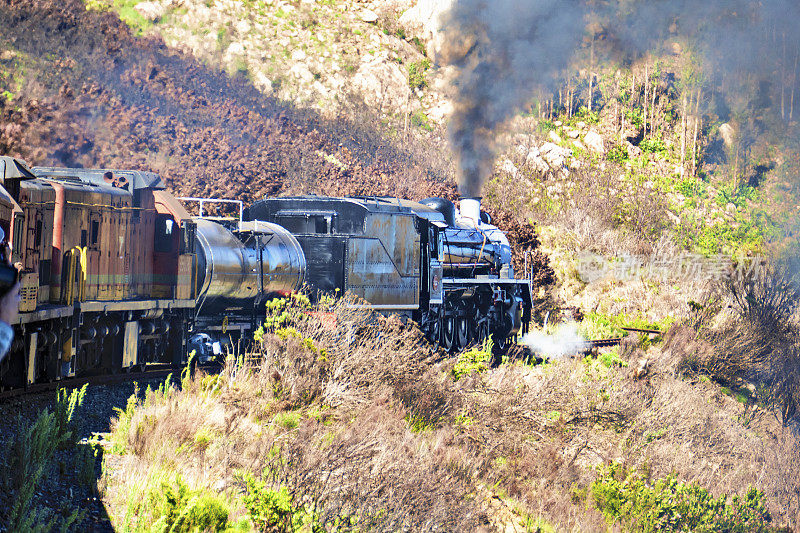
(565, 341)
(505, 52)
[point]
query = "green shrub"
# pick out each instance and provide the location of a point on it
(177, 508)
(421, 120)
(418, 73)
(690, 187)
(611, 358)
(617, 154)
(268, 508)
(545, 126)
(653, 146)
(628, 499)
(119, 435)
(128, 14)
(477, 359)
(634, 116)
(736, 195)
(583, 114)
(28, 456)
(273, 509)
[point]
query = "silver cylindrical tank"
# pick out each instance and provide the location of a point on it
(235, 268)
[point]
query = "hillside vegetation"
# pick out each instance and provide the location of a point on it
(354, 424)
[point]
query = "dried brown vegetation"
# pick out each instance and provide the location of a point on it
(364, 423)
(746, 336)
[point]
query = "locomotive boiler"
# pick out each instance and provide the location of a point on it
(116, 273)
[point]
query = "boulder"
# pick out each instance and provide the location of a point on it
(509, 168)
(243, 27)
(553, 136)
(594, 142)
(439, 112)
(383, 85)
(555, 156)
(424, 20)
(535, 161)
(367, 15)
(235, 49)
(301, 72)
(151, 11)
(728, 134)
(262, 82)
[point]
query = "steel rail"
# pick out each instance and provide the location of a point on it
(159, 371)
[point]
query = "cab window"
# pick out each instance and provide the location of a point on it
(164, 234)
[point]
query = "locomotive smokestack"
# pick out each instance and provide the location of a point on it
(471, 208)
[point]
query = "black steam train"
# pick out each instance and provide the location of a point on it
(117, 274)
(449, 271)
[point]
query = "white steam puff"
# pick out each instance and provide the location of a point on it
(506, 51)
(563, 343)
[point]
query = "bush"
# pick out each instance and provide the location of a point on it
(421, 120)
(177, 508)
(629, 499)
(476, 359)
(28, 458)
(417, 74)
(653, 146)
(271, 509)
(760, 341)
(617, 154)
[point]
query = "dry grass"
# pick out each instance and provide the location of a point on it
(364, 423)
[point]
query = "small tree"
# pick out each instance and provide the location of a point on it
(762, 342)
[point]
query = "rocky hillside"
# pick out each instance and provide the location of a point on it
(316, 54)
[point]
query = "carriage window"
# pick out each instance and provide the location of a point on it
(37, 238)
(307, 223)
(165, 230)
(95, 233)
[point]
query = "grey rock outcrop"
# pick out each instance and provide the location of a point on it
(383, 85)
(151, 11)
(594, 141)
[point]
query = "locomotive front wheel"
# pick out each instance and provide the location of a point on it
(449, 333)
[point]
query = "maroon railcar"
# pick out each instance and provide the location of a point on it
(106, 272)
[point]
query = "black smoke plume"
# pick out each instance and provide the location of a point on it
(507, 51)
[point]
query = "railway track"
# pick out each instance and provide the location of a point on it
(152, 372)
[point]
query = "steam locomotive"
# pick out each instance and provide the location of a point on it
(115, 272)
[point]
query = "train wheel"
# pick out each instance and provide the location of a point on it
(483, 330)
(435, 332)
(464, 330)
(449, 333)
